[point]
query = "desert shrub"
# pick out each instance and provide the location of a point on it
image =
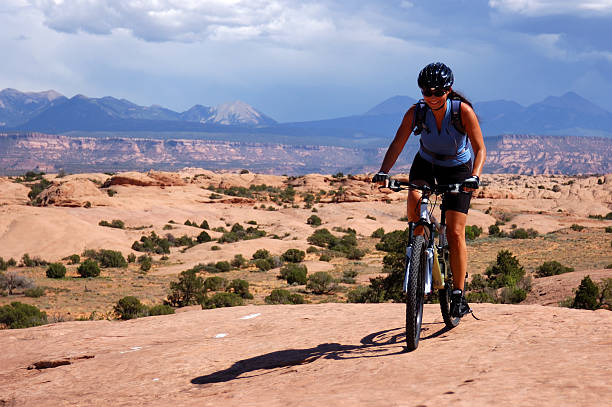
(215, 283)
(577, 227)
(378, 233)
(552, 268)
(238, 261)
(145, 262)
(495, 231)
(281, 296)
(187, 223)
(28, 261)
(34, 292)
(131, 258)
(152, 244)
(325, 257)
(506, 272)
(321, 282)
(17, 315)
(608, 229)
(129, 308)
(512, 295)
(264, 264)
(204, 225)
(240, 287)
(354, 253)
(348, 276)
(203, 237)
(363, 294)
(521, 233)
(478, 282)
(239, 233)
(395, 241)
(11, 281)
(294, 255)
(472, 232)
(36, 189)
(74, 259)
(161, 309)
(220, 300)
(312, 249)
(314, 221)
(261, 254)
(586, 295)
(56, 270)
(294, 273)
(321, 238)
(480, 296)
(111, 192)
(89, 268)
(3, 264)
(116, 223)
(110, 258)
(222, 266)
(188, 290)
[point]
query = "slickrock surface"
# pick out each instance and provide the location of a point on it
(314, 355)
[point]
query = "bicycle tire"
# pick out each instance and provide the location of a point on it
(445, 294)
(415, 294)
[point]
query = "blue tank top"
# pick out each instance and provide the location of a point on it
(448, 142)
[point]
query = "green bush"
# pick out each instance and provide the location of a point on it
(56, 270)
(74, 259)
(116, 223)
(89, 268)
(294, 273)
(321, 282)
(145, 263)
(152, 244)
(131, 258)
(223, 266)
(348, 276)
(220, 300)
(35, 292)
(322, 238)
(188, 290)
(363, 294)
(238, 261)
(240, 287)
(161, 309)
(28, 261)
(472, 232)
(17, 315)
(281, 296)
(395, 241)
(378, 233)
(204, 225)
(215, 283)
(261, 254)
(325, 257)
(314, 221)
(506, 272)
(129, 308)
(312, 249)
(203, 237)
(577, 227)
(586, 295)
(107, 258)
(608, 229)
(294, 255)
(264, 264)
(354, 253)
(480, 296)
(478, 282)
(495, 231)
(512, 295)
(552, 268)
(521, 233)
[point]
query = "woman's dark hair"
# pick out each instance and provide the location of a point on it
(456, 95)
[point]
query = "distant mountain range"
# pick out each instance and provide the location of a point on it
(51, 112)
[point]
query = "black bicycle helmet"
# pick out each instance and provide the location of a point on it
(435, 75)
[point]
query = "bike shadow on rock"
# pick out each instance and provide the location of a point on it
(378, 344)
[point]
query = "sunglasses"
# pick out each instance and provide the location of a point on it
(435, 92)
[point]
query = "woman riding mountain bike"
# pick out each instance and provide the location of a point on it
(447, 124)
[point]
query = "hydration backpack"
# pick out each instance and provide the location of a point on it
(420, 109)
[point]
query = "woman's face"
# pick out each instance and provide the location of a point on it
(435, 97)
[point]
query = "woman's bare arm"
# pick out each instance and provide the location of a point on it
(472, 128)
(398, 143)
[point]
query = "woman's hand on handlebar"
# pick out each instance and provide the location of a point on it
(381, 178)
(471, 184)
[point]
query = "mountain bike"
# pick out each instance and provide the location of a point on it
(427, 266)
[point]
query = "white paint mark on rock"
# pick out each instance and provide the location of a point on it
(220, 335)
(133, 349)
(156, 379)
(251, 316)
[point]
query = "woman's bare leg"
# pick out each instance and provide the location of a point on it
(455, 233)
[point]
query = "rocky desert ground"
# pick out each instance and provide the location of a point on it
(313, 354)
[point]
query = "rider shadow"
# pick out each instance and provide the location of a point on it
(378, 344)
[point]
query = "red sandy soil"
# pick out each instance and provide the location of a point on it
(314, 355)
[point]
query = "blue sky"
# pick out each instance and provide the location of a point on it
(303, 60)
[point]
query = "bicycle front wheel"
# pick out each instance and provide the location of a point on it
(445, 299)
(416, 292)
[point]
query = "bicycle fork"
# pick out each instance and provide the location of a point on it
(424, 220)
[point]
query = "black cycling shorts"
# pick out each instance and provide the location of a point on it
(423, 170)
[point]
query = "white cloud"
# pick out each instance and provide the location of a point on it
(536, 8)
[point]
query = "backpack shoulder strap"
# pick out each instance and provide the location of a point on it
(420, 110)
(456, 115)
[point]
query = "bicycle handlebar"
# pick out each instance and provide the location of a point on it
(397, 185)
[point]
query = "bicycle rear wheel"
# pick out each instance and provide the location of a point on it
(445, 296)
(416, 293)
